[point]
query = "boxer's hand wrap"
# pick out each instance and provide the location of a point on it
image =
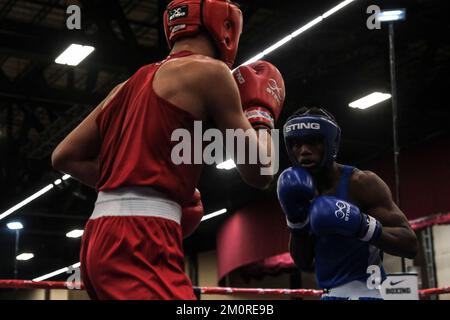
(330, 215)
(262, 92)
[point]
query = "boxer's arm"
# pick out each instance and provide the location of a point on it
(397, 237)
(77, 154)
(223, 104)
(301, 247)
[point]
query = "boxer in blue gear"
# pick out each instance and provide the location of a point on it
(341, 218)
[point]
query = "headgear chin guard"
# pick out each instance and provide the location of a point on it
(220, 18)
(310, 125)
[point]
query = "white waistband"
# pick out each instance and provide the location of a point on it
(136, 201)
(353, 290)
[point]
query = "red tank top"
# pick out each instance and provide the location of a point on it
(135, 129)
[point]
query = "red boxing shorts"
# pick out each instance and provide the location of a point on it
(132, 248)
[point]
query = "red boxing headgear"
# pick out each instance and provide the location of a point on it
(220, 18)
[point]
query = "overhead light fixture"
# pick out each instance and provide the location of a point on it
(370, 100)
(74, 54)
(33, 197)
(15, 225)
(297, 32)
(214, 214)
(74, 233)
(57, 272)
(26, 201)
(336, 8)
(392, 15)
(307, 26)
(25, 256)
(226, 165)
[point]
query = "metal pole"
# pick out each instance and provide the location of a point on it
(428, 246)
(394, 120)
(17, 253)
(394, 112)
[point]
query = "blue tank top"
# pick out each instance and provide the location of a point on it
(340, 259)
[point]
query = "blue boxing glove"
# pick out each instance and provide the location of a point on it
(330, 215)
(295, 191)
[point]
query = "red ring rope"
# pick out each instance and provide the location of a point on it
(294, 292)
(29, 284)
(428, 292)
(428, 221)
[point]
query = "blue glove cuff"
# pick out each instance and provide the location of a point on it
(298, 225)
(374, 229)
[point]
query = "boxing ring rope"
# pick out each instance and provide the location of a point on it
(29, 284)
(428, 292)
(260, 291)
(429, 221)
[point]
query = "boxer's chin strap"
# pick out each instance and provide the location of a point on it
(298, 225)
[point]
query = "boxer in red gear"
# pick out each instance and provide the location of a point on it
(132, 245)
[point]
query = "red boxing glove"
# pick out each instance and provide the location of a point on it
(262, 91)
(192, 215)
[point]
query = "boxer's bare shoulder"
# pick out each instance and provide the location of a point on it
(194, 83)
(366, 183)
(194, 71)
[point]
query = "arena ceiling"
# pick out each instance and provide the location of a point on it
(329, 66)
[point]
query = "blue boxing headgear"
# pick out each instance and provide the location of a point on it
(312, 125)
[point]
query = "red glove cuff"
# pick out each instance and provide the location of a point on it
(260, 117)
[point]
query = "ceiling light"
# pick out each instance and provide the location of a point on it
(370, 100)
(15, 225)
(57, 272)
(26, 201)
(392, 15)
(25, 256)
(297, 32)
(74, 233)
(74, 54)
(214, 214)
(226, 165)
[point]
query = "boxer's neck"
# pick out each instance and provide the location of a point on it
(199, 44)
(327, 178)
